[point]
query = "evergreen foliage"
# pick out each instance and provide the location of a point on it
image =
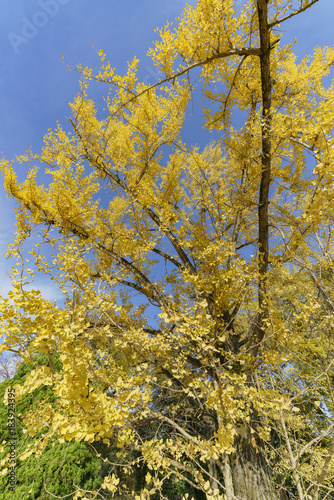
(62, 467)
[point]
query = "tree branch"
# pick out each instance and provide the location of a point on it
(167, 257)
(299, 11)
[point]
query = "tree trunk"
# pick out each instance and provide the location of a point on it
(228, 480)
(252, 477)
(213, 474)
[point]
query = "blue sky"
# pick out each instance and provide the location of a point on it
(36, 87)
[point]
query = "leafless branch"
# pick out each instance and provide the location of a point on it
(295, 13)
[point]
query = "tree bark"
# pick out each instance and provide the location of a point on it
(252, 477)
(228, 479)
(213, 474)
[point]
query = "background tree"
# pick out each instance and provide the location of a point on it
(8, 366)
(62, 467)
(186, 315)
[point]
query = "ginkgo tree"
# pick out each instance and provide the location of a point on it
(200, 330)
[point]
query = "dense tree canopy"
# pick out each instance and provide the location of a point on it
(197, 324)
